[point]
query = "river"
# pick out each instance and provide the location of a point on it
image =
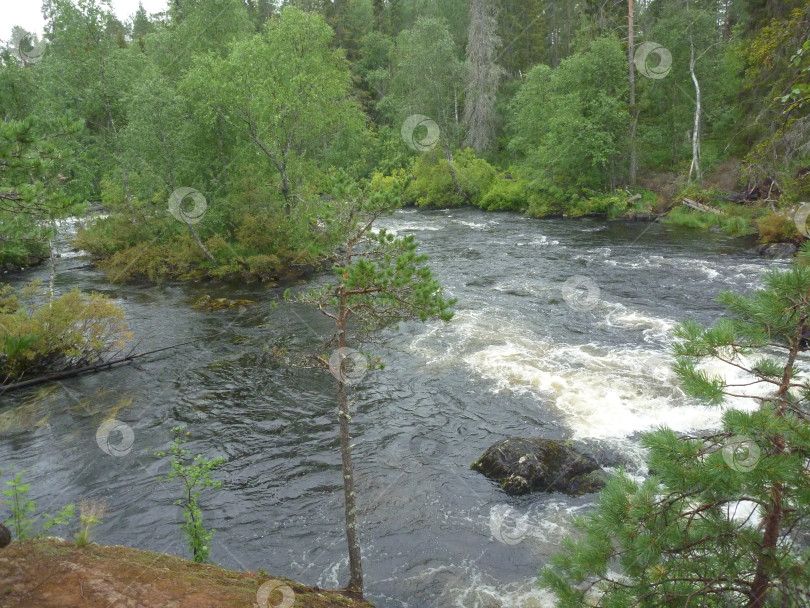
(561, 330)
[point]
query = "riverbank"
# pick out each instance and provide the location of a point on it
(49, 573)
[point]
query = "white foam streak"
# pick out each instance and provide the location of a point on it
(477, 592)
(599, 392)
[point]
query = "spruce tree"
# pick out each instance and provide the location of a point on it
(722, 518)
(483, 76)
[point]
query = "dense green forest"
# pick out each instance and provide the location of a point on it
(238, 117)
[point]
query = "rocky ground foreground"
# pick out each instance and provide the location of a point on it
(49, 573)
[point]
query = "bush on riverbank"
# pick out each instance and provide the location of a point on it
(40, 336)
(433, 184)
(777, 228)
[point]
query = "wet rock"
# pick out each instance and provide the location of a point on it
(5, 536)
(523, 465)
(778, 250)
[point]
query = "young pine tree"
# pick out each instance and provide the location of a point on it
(722, 520)
(380, 280)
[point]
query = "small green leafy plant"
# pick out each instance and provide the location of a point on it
(22, 522)
(194, 475)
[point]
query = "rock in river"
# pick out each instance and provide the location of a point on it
(532, 465)
(778, 250)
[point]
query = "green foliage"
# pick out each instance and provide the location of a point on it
(506, 195)
(272, 114)
(22, 521)
(389, 281)
(428, 77)
(667, 105)
(734, 222)
(433, 184)
(567, 129)
(546, 199)
(606, 205)
(22, 508)
(684, 534)
(73, 330)
(778, 81)
(284, 92)
(193, 474)
(776, 228)
(803, 256)
(32, 189)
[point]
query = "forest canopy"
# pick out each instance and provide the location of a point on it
(254, 109)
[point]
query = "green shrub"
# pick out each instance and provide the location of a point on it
(736, 225)
(132, 227)
(547, 200)
(179, 258)
(736, 221)
(22, 239)
(611, 206)
(38, 336)
(193, 474)
(265, 266)
(776, 228)
(506, 195)
(263, 231)
(433, 185)
(22, 521)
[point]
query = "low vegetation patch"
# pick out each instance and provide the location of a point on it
(40, 335)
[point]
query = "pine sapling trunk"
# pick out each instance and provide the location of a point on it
(355, 564)
(774, 512)
(52, 255)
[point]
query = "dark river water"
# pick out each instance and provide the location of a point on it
(561, 330)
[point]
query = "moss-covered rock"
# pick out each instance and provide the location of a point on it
(210, 304)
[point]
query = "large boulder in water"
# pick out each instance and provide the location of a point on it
(778, 250)
(523, 465)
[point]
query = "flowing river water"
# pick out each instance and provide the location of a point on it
(528, 353)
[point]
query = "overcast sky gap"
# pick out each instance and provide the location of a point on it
(28, 13)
